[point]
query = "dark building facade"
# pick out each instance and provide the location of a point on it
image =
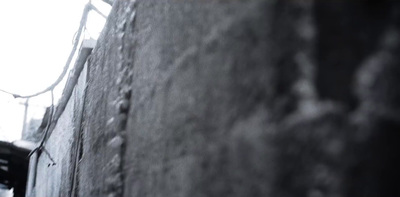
(233, 98)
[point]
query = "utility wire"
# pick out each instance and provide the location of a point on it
(49, 121)
(55, 114)
(66, 66)
(89, 6)
(42, 143)
(51, 87)
(98, 11)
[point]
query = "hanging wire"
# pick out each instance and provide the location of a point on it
(52, 119)
(67, 64)
(44, 137)
(98, 11)
(89, 6)
(49, 121)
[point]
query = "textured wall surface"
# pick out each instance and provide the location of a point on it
(58, 179)
(242, 98)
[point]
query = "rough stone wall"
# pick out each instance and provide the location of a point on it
(243, 98)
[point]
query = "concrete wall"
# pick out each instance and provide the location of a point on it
(236, 98)
(56, 179)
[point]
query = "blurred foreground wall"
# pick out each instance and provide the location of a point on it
(234, 98)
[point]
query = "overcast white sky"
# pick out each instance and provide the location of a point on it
(35, 41)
